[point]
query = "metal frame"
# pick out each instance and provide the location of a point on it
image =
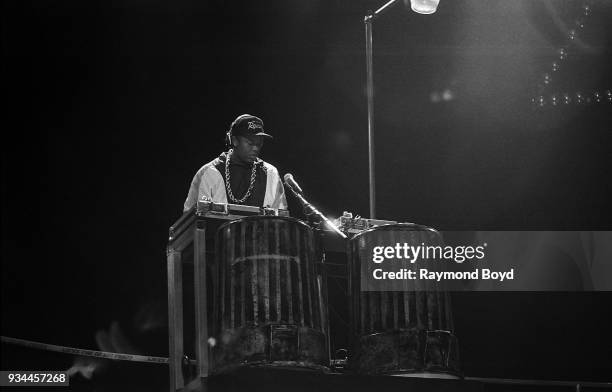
(189, 229)
(181, 236)
(192, 228)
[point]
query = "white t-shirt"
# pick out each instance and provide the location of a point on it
(208, 184)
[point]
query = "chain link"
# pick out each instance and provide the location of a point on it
(228, 185)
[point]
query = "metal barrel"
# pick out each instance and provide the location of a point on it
(270, 303)
(400, 332)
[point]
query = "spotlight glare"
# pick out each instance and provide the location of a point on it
(425, 7)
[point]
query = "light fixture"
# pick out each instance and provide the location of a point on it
(418, 6)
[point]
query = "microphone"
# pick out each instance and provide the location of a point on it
(309, 209)
(289, 180)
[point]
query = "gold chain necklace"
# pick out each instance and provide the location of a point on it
(228, 185)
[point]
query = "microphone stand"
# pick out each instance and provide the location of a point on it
(309, 210)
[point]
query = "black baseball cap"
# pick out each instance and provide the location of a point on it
(248, 125)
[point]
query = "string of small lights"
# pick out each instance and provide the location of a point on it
(544, 98)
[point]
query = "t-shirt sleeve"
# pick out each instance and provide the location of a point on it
(206, 184)
(280, 200)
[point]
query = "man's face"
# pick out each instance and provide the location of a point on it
(247, 148)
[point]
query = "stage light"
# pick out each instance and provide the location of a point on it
(424, 6)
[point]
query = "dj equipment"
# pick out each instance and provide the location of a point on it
(354, 225)
(234, 211)
(407, 332)
(260, 296)
(269, 301)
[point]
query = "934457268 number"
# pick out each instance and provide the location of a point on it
(41, 378)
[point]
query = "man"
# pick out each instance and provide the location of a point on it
(246, 179)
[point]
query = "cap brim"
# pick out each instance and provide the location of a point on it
(263, 134)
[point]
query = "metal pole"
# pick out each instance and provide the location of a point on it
(370, 94)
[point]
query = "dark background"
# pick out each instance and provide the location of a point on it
(111, 106)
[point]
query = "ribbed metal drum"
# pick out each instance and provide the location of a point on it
(270, 304)
(402, 332)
